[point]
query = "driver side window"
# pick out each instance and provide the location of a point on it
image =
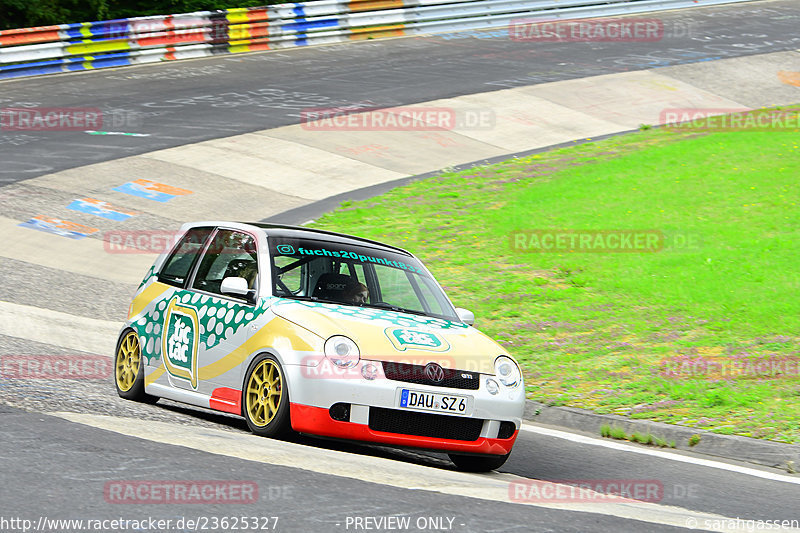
(230, 254)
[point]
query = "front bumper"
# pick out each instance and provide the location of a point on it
(362, 407)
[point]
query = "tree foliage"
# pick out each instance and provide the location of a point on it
(28, 13)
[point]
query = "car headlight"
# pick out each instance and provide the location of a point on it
(342, 351)
(507, 371)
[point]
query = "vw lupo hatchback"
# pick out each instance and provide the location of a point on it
(321, 333)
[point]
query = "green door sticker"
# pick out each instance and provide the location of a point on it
(179, 341)
(403, 339)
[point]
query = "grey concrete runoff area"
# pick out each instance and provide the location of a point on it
(223, 136)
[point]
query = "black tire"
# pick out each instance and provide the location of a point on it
(129, 370)
(265, 398)
(478, 463)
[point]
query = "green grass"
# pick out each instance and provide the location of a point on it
(616, 332)
(614, 432)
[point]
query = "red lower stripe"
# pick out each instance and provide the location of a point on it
(226, 399)
(317, 421)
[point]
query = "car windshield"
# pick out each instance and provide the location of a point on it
(307, 269)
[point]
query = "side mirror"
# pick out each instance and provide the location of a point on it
(466, 316)
(237, 287)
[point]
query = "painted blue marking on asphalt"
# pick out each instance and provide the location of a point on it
(98, 210)
(138, 190)
(47, 227)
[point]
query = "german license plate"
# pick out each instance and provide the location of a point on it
(428, 401)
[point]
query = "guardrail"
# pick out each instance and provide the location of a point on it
(115, 43)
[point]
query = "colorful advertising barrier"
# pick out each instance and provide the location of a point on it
(132, 41)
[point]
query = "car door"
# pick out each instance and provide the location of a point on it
(169, 313)
(222, 320)
(198, 324)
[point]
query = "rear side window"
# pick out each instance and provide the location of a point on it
(178, 266)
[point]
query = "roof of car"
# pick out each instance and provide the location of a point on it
(285, 230)
(295, 232)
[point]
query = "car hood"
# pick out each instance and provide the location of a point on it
(385, 335)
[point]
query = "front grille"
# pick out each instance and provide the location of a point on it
(424, 424)
(454, 379)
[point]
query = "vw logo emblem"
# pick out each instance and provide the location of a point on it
(434, 372)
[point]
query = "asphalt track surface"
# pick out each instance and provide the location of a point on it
(190, 101)
(57, 468)
(302, 501)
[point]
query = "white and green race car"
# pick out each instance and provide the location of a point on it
(321, 333)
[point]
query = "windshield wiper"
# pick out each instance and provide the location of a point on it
(396, 308)
(380, 305)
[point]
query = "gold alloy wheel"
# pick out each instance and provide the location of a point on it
(128, 360)
(264, 392)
